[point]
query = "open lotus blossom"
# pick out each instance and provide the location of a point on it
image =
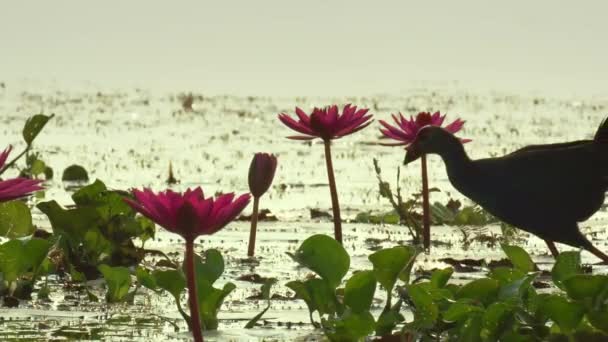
(190, 215)
(14, 188)
(405, 132)
(261, 173)
(328, 124)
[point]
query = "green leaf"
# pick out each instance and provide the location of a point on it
(483, 290)
(389, 263)
(210, 301)
(460, 310)
(566, 265)
(359, 291)
(75, 173)
(324, 256)
(426, 310)
(350, 327)
(172, 281)
(440, 278)
(33, 126)
(145, 279)
(211, 269)
(15, 220)
(388, 320)
(519, 258)
(567, 315)
(599, 319)
(495, 317)
(118, 280)
(18, 257)
(585, 286)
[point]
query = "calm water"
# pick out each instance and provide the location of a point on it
(128, 138)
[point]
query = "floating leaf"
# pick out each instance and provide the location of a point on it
(519, 258)
(359, 291)
(33, 126)
(15, 220)
(324, 256)
(118, 280)
(75, 173)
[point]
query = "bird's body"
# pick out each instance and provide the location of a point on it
(543, 189)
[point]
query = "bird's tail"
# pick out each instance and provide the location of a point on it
(601, 136)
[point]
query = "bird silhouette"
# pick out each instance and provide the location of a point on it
(545, 190)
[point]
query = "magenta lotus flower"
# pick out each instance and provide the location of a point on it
(261, 173)
(405, 132)
(328, 124)
(190, 215)
(14, 188)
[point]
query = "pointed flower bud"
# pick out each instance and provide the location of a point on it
(261, 173)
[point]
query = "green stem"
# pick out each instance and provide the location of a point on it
(254, 227)
(197, 331)
(335, 205)
(12, 162)
(426, 212)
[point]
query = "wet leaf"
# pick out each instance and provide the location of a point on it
(265, 295)
(349, 327)
(359, 291)
(440, 278)
(519, 258)
(599, 318)
(390, 263)
(15, 220)
(33, 126)
(20, 256)
(145, 279)
(324, 256)
(172, 281)
(483, 290)
(210, 301)
(388, 320)
(567, 264)
(586, 286)
(426, 310)
(211, 269)
(460, 310)
(118, 280)
(566, 314)
(75, 173)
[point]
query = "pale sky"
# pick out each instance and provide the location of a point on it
(313, 47)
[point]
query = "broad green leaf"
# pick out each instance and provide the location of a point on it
(585, 286)
(33, 126)
(440, 278)
(567, 315)
(483, 290)
(470, 331)
(301, 290)
(495, 317)
(210, 300)
(506, 275)
(145, 279)
(460, 310)
(566, 265)
(89, 195)
(20, 256)
(520, 259)
(599, 318)
(172, 281)
(15, 220)
(426, 310)
(359, 291)
(75, 173)
(324, 256)
(388, 320)
(350, 327)
(389, 263)
(211, 269)
(265, 295)
(516, 289)
(118, 280)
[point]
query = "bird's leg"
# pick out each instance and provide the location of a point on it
(552, 248)
(598, 253)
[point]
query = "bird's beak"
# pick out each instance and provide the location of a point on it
(412, 153)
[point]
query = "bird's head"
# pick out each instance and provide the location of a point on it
(429, 140)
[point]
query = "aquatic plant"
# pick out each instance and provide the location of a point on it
(11, 189)
(327, 124)
(405, 132)
(189, 215)
(261, 174)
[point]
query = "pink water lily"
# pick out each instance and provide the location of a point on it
(326, 123)
(14, 188)
(190, 215)
(405, 132)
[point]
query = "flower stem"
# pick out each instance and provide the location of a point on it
(426, 212)
(335, 205)
(254, 227)
(197, 331)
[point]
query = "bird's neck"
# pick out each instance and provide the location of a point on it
(455, 158)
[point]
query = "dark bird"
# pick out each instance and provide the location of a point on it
(542, 189)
